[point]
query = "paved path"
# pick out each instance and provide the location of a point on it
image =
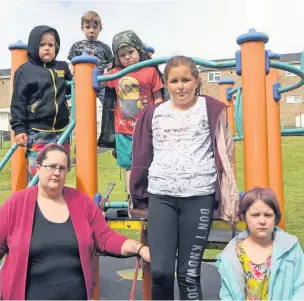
(115, 287)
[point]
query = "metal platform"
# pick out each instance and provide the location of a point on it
(220, 234)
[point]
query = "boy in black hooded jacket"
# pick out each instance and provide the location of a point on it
(39, 111)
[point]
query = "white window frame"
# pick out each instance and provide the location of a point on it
(300, 121)
(287, 73)
(214, 74)
(294, 99)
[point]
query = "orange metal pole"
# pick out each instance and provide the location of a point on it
(19, 167)
(274, 139)
(255, 143)
(86, 134)
(224, 84)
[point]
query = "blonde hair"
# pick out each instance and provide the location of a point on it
(91, 16)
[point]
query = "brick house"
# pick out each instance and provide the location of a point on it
(5, 75)
(4, 108)
(292, 107)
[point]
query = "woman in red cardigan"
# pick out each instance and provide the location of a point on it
(49, 233)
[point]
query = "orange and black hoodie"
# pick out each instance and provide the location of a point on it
(38, 100)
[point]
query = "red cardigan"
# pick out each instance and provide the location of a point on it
(16, 222)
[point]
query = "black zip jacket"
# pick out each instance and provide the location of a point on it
(38, 100)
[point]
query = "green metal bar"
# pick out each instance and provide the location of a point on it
(292, 131)
(69, 83)
(241, 112)
(289, 68)
(209, 64)
(73, 100)
(73, 113)
(286, 132)
(238, 113)
(116, 204)
(163, 60)
(302, 61)
(8, 155)
(291, 87)
(234, 90)
(66, 133)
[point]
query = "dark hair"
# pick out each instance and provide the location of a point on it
(266, 195)
(51, 31)
(181, 60)
(49, 148)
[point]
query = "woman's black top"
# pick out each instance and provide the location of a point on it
(54, 267)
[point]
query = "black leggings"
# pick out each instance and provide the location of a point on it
(181, 224)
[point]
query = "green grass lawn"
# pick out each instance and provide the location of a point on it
(108, 172)
(293, 166)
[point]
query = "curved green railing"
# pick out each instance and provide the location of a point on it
(289, 68)
(163, 60)
(208, 64)
(238, 112)
(8, 155)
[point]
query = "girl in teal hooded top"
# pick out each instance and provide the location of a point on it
(263, 262)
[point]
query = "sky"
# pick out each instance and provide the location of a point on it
(199, 28)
